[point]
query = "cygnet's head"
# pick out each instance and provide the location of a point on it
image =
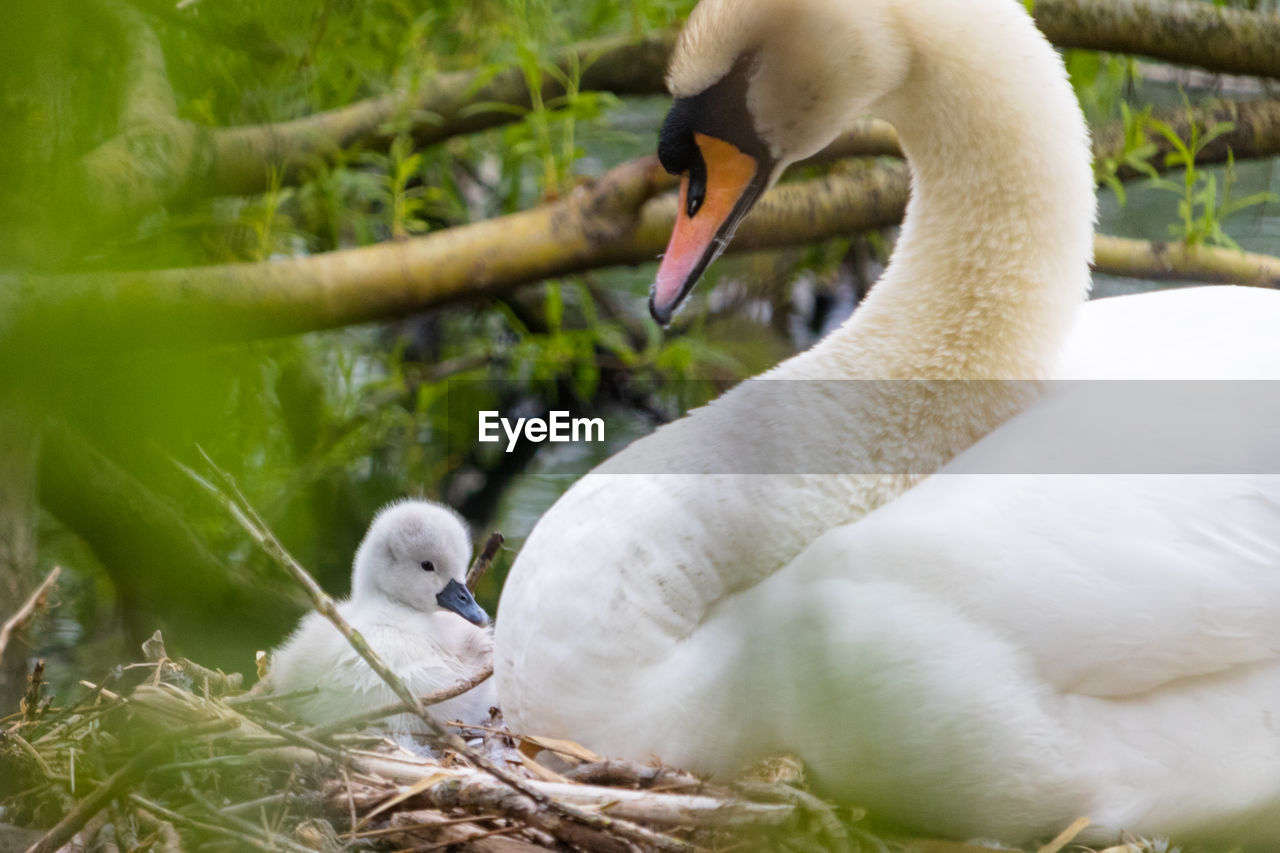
(416, 553)
(759, 84)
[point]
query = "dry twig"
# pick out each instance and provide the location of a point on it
(356, 721)
(1062, 839)
(449, 786)
(632, 774)
(484, 560)
(34, 602)
(211, 680)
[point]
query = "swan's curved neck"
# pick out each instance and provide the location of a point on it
(985, 282)
(992, 260)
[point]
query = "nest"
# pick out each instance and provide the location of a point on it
(188, 760)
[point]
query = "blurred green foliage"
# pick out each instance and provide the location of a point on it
(322, 429)
(1201, 208)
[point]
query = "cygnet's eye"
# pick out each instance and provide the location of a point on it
(428, 566)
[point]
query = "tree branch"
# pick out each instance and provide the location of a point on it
(152, 151)
(868, 137)
(1218, 38)
(128, 176)
(615, 220)
(1255, 133)
(1179, 262)
(188, 161)
(148, 95)
(608, 222)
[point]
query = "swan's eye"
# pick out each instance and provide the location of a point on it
(679, 153)
(428, 566)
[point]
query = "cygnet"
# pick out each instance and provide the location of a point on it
(410, 602)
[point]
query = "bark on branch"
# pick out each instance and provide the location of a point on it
(604, 224)
(1218, 38)
(153, 150)
(1176, 261)
(593, 226)
(147, 94)
(473, 791)
(1255, 132)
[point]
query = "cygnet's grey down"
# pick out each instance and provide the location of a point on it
(410, 602)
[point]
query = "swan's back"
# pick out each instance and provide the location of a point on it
(1217, 332)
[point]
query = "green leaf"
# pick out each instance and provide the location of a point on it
(1213, 133)
(553, 307)
(1181, 153)
(1250, 200)
(1117, 187)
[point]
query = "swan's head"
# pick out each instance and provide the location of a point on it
(416, 553)
(759, 84)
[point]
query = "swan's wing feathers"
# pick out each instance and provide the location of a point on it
(1193, 592)
(1111, 586)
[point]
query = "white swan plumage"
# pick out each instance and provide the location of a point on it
(409, 601)
(967, 645)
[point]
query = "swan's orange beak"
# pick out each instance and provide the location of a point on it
(711, 206)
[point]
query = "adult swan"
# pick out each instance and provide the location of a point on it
(967, 655)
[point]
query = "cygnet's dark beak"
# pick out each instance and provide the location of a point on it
(459, 599)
